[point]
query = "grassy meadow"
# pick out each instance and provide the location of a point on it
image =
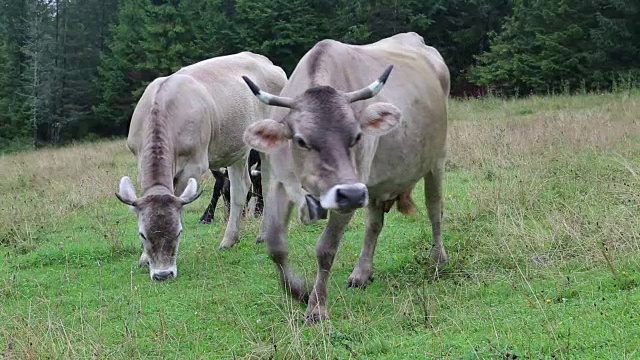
(542, 227)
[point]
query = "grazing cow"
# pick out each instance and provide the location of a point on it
(222, 187)
(348, 150)
(184, 124)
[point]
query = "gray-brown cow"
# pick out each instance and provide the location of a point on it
(350, 151)
(184, 124)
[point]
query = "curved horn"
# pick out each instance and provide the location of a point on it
(267, 98)
(190, 200)
(371, 90)
(126, 201)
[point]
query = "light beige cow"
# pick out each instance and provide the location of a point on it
(184, 124)
(348, 149)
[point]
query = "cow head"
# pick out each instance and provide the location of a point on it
(323, 131)
(159, 225)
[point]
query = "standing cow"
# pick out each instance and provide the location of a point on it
(184, 124)
(350, 151)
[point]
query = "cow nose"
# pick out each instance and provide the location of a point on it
(345, 197)
(351, 197)
(162, 275)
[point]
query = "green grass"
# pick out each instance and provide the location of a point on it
(542, 226)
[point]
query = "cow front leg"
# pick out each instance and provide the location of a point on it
(239, 178)
(207, 216)
(363, 272)
(277, 212)
(435, 204)
(326, 250)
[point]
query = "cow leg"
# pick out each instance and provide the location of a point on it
(239, 178)
(433, 196)
(226, 194)
(257, 186)
(247, 210)
(265, 178)
(256, 181)
(208, 214)
(326, 251)
(256, 190)
(276, 216)
(363, 272)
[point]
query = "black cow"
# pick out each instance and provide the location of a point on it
(223, 187)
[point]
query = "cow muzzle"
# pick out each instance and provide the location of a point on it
(159, 275)
(345, 197)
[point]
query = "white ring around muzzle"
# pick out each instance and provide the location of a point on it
(173, 269)
(329, 200)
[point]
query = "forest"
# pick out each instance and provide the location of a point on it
(72, 70)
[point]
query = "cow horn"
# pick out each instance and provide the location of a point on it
(371, 90)
(267, 98)
(192, 199)
(125, 201)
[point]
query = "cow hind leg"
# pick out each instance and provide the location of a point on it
(433, 196)
(239, 178)
(362, 274)
(209, 212)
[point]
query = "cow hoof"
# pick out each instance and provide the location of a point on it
(319, 313)
(228, 243)
(225, 246)
(144, 260)
(359, 279)
(259, 239)
(438, 256)
(205, 221)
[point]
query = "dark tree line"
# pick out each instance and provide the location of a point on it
(74, 69)
(563, 45)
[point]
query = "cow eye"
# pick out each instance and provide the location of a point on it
(356, 140)
(301, 143)
(142, 236)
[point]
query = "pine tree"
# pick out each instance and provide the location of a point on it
(82, 41)
(118, 75)
(37, 76)
(282, 30)
(14, 122)
(616, 42)
(558, 46)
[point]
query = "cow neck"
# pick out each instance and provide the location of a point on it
(157, 160)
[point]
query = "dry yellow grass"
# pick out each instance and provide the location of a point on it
(563, 171)
(497, 131)
(39, 189)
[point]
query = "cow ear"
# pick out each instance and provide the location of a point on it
(266, 135)
(380, 118)
(126, 193)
